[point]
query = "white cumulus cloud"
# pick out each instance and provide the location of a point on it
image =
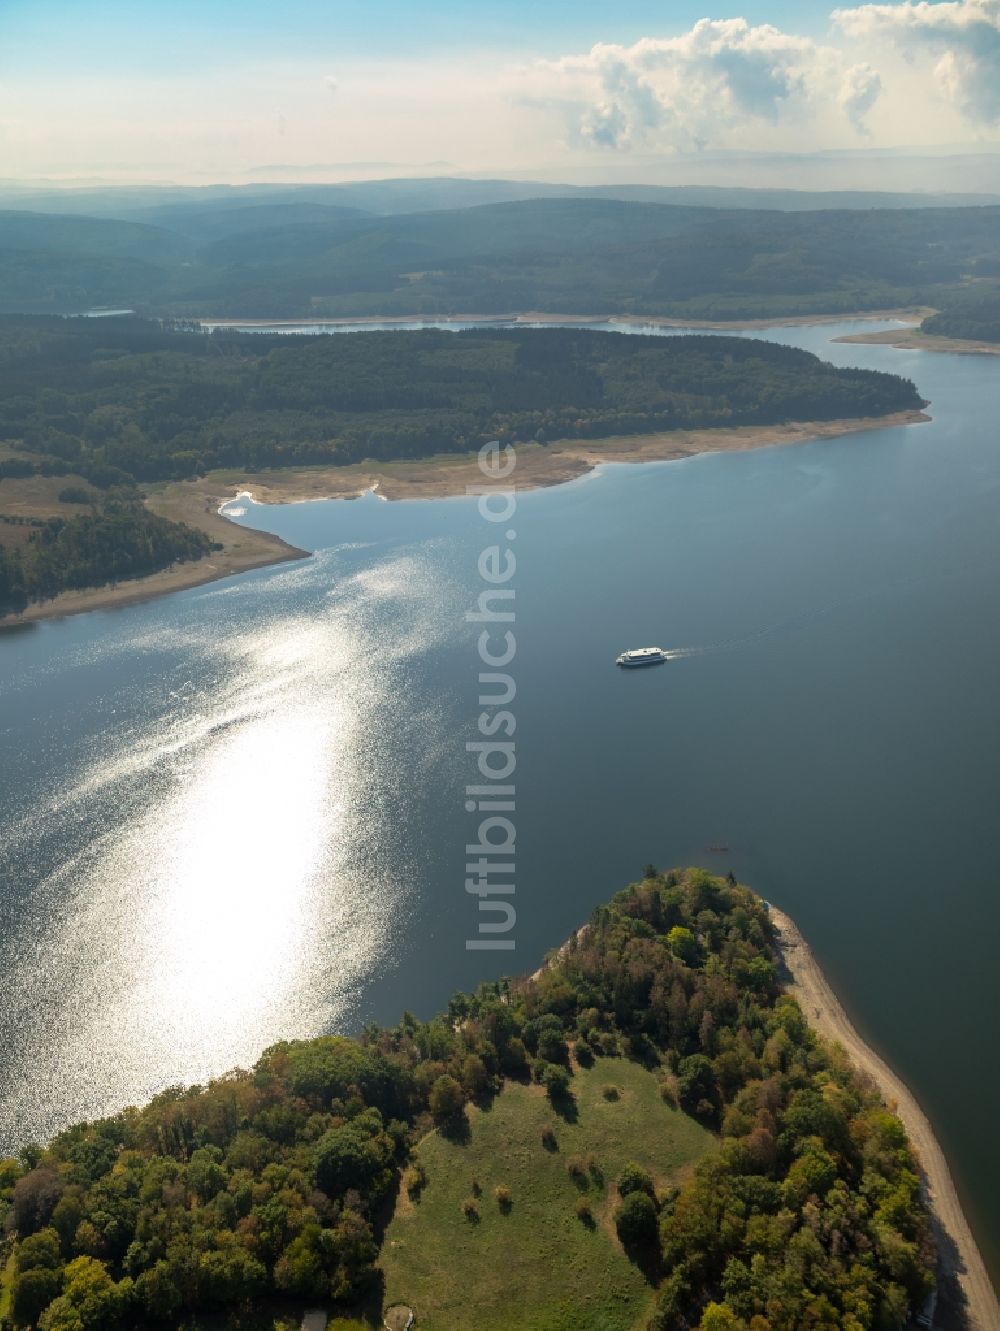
(962, 37)
(858, 93)
(691, 90)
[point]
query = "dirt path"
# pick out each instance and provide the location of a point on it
(960, 1256)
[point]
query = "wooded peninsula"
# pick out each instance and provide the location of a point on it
(95, 410)
(668, 1118)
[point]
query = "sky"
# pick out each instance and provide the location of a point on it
(235, 90)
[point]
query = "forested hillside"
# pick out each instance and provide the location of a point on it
(275, 1184)
(976, 317)
(574, 255)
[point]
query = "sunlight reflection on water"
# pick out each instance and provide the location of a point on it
(215, 887)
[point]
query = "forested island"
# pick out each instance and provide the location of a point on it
(96, 409)
(739, 1176)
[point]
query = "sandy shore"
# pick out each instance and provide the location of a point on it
(197, 502)
(912, 339)
(961, 1260)
(910, 314)
(538, 466)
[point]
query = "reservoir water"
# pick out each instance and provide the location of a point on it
(237, 814)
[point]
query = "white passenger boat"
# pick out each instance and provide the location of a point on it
(641, 656)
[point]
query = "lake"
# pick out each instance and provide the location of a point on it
(237, 814)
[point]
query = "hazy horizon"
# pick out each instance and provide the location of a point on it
(238, 93)
(962, 169)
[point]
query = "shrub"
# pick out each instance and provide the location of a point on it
(75, 494)
(583, 1212)
(549, 1138)
(502, 1194)
(576, 1168)
(415, 1179)
(469, 1209)
(610, 1092)
(668, 1093)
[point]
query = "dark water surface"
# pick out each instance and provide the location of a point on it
(236, 814)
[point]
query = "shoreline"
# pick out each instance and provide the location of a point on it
(908, 314)
(914, 340)
(243, 549)
(539, 466)
(959, 1259)
(442, 476)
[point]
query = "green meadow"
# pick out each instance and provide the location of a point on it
(533, 1263)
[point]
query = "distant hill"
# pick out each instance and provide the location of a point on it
(422, 194)
(68, 263)
(69, 234)
(203, 223)
(572, 255)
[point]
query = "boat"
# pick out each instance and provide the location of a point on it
(641, 656)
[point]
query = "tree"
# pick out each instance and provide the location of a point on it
(35, 1197)
(717, 1317)
(813, 1173)
(40, 1250)
(349, 1157)
(158, 1293)
(475, 1077)
(556, 1081)
(635, 1220)
(205, 1172)
(634, 1179)
(302, 1267)
(34, 1290)
(696, 1086)
(446, 1099)
(90, 1300)
(684, 945)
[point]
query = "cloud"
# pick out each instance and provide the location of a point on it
(964, 36)
(859, 92)
(691, 90)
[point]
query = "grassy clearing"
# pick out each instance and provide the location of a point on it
(534, 1264)
(38, 496)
